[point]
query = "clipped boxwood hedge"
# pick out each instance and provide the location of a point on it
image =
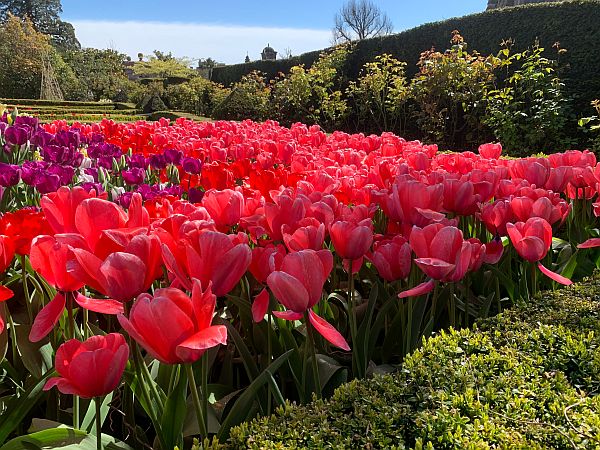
(572, 23)
(64, 103)
(526, 379)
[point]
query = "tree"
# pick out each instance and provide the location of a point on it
(100, 72)
(360, 19)
(163, 65)
(22, 52)
(45, 18)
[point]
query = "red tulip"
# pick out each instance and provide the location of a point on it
(441, 251)
(496, 215)
(459, 197)
(490, 151)
(210, 256)
(299, 285)
(60, 206)
(225, 207)
(392, 259)
(121, 276)
(7, 253)
(92, 368)
(265, 260)
(173, 327)
(534, 170)
(352, 240)
(22, 227)
(531, 239)
(305, 237)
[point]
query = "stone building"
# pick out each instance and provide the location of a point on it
(494, 4)
(268, 54)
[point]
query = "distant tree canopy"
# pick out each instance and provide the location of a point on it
(163, 65)
(45, 18)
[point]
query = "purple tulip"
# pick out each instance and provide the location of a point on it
(195, 195)
(30, 169)
(138, 161)
(93, 172)
(47, 182)
(41, 138)
(125, 199)
(28, 122)
(95, 186)
(3, 126)
(10, 174)
(191, 165)
(15, 135)
(65, 173)
(134, 176)
(158, 162)
(173, 156)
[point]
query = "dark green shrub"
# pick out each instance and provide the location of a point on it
(313, 95)
(248, 99)
(529, 112)
(525, 379)
(198, 96)
(449, 92)
(379, 96)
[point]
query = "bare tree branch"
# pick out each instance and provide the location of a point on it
(360, 19)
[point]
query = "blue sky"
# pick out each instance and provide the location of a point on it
(227, 30)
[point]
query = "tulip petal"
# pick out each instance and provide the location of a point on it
(98, 305)
(435, 268)
(63, 385)
(5, 293)
(230, 268)
(47, 318)
(194, 347)
(554, 276)
(290, 292)
(260, 306)
(423, 288)
(288, 315)
(174, 267)
(590, 243)
(327, 330)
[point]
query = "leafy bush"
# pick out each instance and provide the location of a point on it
(312, 95)
(594, 126)
(248, 99)
(380, 95)
(449, 92)
(197, 96)
(524, 379)
(529, 113)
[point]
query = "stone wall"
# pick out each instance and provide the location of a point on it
(493, 4)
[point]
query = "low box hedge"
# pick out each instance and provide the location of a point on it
(526, 379)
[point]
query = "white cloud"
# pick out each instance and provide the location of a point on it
(224, 43)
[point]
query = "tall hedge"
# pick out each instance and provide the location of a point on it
(525, 379)
(575, 24)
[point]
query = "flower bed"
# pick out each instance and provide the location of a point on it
(249, 264)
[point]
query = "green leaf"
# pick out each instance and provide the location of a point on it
(63, 438)
(19, 407)
(89, 423)
(36, 357)
(175, 413)
(239, 411)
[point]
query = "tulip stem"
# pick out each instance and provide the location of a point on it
(313, 354)
(76, 412)
(98, 402)
(269, 356)
(26, 288)
(357, 366)
(204, 386)
(196, 399)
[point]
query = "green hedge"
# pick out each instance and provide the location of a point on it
(174, 115)
(64, 103)
(526, 379)
(575, 24)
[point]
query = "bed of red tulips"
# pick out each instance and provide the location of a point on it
(188, 276)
